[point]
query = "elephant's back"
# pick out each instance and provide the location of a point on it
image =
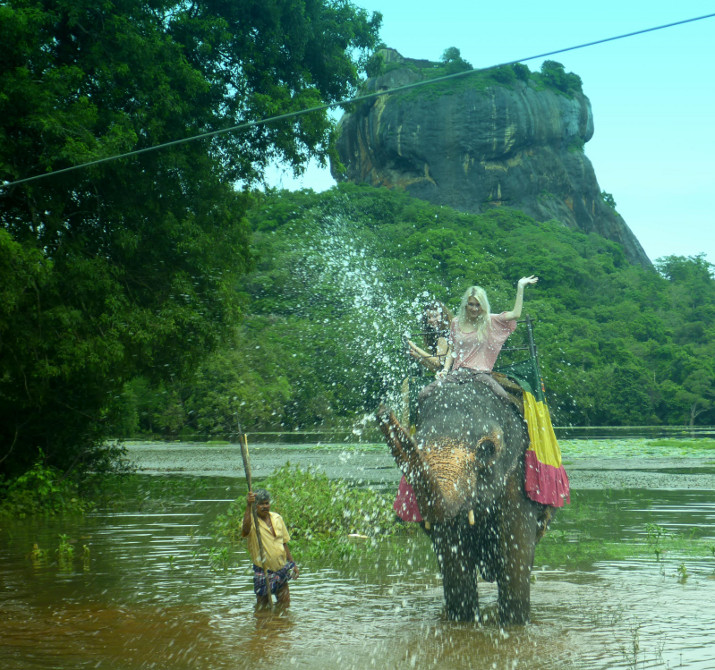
(466, 401)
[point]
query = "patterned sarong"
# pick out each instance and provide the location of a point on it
(275, 579)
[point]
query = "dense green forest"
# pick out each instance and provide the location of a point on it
(337, 283)
(128, 267)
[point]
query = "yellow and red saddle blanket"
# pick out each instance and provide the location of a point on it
(546, 480)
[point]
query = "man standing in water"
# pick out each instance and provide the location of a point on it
(279, 564)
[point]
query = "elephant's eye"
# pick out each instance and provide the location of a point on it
(486, 449)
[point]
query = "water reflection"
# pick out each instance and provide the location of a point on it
(270, 628)
(149, 596)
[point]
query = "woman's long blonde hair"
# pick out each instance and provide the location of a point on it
(483, 320)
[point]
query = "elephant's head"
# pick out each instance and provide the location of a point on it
(469, 442)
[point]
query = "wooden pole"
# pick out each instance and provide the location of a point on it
(247, 470)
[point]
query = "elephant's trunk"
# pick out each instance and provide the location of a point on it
(404, 448)
(436, 473)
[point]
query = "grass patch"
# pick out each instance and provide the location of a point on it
(572, 540)
(638, 447)
(558, 551)
(691, 444)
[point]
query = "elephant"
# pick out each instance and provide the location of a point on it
(466, 466)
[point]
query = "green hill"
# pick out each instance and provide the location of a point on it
(335, 288)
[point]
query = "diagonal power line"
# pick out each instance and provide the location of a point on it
(340, 103)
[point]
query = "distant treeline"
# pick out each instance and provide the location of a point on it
(337, 284)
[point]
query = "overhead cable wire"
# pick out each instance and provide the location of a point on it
(349, 101)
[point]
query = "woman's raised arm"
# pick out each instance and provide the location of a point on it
(515, 313)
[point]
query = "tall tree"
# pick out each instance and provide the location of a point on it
(126, 267)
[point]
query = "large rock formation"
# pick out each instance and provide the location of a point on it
(473, 143)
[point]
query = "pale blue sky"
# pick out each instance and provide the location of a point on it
(653, 96)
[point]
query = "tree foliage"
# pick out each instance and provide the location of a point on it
(553, 74)
(452, 58)
(128, 268)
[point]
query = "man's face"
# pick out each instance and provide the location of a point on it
(263, 507)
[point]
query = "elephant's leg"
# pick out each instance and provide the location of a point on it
(459, 574)
(518, 529)
(515, 588)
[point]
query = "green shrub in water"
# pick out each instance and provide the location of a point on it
(40, 491)
(320, 513)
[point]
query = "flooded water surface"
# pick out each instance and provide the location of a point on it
(144, 586)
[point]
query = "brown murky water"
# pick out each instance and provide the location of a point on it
(147, 594)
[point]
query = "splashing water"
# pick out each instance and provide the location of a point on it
(376, 322)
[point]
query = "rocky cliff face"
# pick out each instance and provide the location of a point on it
(474, 144)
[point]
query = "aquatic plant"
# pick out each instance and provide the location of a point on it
(219, 558)
(632, 651)
(683, 573)
(65, 553)
(41, 490)
(321, 514)
(38, 556)
(65, 550)
(654, 534)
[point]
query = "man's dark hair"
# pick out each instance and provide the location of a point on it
(262, 495)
